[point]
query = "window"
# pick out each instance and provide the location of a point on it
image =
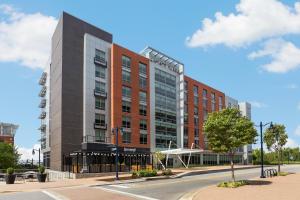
(126, 62)
(100, 103)
(205, 115)
(220, 103)
(195, 110)
(100, 87)
(143, 82)
(186, 119)
(100, 119)
(143, 110)
(143, 124)
(126, 106)
(196, 121)
(213, 102)
(185, 97)
(99, 55)
(126, 76)
(99, 71)
(195, 91)
(204, 93)
(99, 135)
(143, 138)
(196, 132)
(126, 122)
(204, 99)
(196, 101)
(185, 85)
(185, 143)
(185, 131)
(185, 107)
(126, 92)
(143, 97)
(126, 137)
(196, 143)
(142, 68)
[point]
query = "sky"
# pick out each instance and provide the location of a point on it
(249, 49)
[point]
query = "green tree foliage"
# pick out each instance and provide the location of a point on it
(275, 138)
(9, 156)
(227, 130)
(289, 155)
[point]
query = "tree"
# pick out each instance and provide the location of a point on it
(228, 130)
(275, 138)
(9, 156)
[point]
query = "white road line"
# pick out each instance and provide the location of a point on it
(120, 186)
(55, 197)
(127, 194)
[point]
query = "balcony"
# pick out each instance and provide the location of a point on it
(42, 103)
(100, 61)
(100, 125)
(42, 128)
(94, 139)
(42, 115)
(100, 93)
(43, 78)
(43, 91)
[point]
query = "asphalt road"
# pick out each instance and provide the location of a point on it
(169, 189)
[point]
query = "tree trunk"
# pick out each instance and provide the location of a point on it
(278, 160)
(232, 167)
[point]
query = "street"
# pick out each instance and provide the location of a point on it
(159, 189)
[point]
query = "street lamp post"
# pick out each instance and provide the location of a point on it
(39, 150)
(116, 132)
(261, 125)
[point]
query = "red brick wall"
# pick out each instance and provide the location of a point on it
(191, 83)
(116, 95)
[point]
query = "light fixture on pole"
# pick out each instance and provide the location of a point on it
(39, 150)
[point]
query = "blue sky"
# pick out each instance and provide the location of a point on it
(251, 52)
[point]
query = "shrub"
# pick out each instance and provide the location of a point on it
(10, 170)
(232, 184)
(144, 173)
(167, 172)
(41, 169)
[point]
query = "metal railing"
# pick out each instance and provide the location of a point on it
(95, 139)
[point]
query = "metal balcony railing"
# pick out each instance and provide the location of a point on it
(100, 61)
(100, 125)
(42, 103)
(43, 91)
(95, 139)
(43, 78)
(100, 93)
(42, 115)
(42, 128)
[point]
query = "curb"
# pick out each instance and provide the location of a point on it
(191, 173)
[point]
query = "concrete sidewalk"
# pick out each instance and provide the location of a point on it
(277, 188)
(35, 186)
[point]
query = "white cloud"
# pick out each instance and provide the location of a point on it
(292, 86)
(253, 21)
(285, 56)
(257, 104)
(27, 153)
(291, 143)
(25, 38)
(297, 131)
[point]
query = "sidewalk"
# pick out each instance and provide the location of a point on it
(35, 186)
(277, 188)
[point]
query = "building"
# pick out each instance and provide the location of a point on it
(92, 86)
(8, 132)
